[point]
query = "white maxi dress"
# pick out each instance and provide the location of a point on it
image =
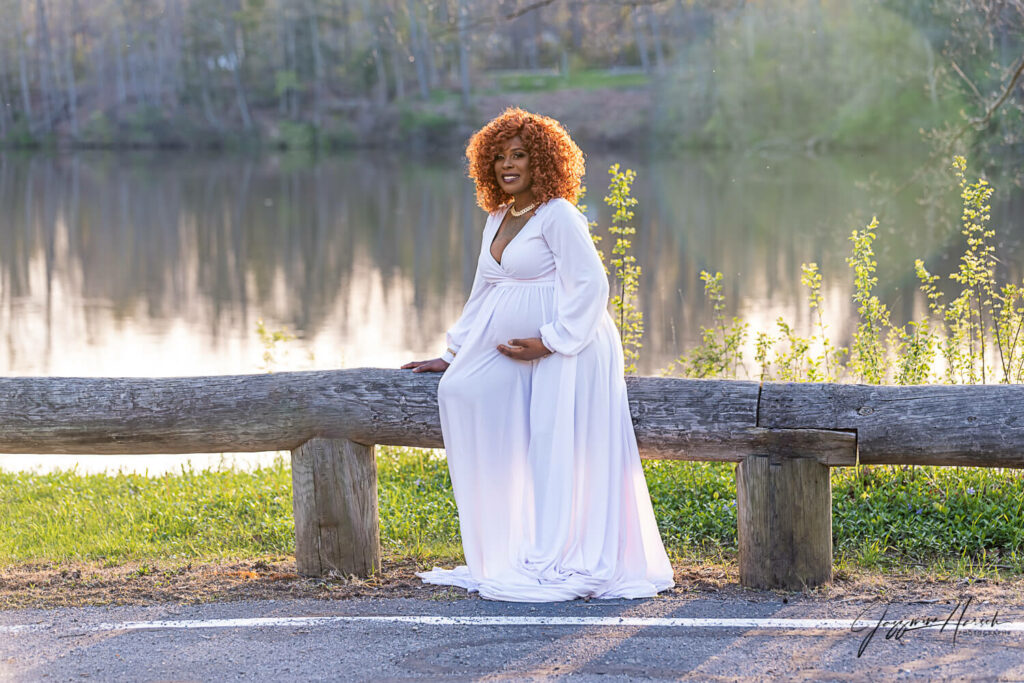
(544, 465)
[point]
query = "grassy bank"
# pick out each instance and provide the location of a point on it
(959, 522)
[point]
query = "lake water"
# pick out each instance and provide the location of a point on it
(161, 264)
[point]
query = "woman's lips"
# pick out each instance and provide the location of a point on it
(508, 179)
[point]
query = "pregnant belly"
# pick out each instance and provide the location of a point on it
(519, 313)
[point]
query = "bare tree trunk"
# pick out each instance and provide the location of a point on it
(69, 71)
(293, 95)
(97, 54)
(45, 65)
(6, 100)
(396, 67)
(463, 24)
(118, 40)
(174, 48)
(533, 24)
(346, 31)
(318, 68)
(710, 70)
(576, 25)
(641, 40)
(148, 84)
(159, 60)
(448, 48)
(374, 19)
(26, 95)
(282, 38)
(230, 48)
(133, 75)
(5, 93)
(397, 63)
(154, 74)
(381, 93)
(433, 77)
(515, 32)
(659, 51)
(418, 53)
(204, 85)
(678, 28)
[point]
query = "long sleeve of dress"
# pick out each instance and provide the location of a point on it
(581, 290)
(457, 332)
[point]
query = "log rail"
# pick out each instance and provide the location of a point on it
(783, 437)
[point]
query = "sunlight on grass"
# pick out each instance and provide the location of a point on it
(948, 520)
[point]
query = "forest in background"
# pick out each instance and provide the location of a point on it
(345, 73)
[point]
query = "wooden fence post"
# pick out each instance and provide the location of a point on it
(784, 522)
(334, 498)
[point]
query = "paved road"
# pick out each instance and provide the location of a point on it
(665, 638)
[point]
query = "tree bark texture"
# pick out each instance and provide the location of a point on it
(709, 420)
(674, 418)
(967, 425)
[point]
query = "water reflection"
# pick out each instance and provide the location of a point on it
(160, 264)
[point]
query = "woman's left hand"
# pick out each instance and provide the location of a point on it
(525, 349)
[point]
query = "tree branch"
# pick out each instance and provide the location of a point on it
(490, 21)
(983, 121)
(956, 68)
(978, 123)
(529, 8)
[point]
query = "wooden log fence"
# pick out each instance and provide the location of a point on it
(783, 437)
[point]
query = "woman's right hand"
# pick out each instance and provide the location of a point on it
(433, 365)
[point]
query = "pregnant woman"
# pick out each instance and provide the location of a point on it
(552, 500)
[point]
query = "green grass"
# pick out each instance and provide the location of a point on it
(417, 511)
(959, 521)
(963, 519)
(65, 515)
(950, 520)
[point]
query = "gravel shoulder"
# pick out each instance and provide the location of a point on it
(47, 586)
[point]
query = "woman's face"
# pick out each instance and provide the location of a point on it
(512, 167)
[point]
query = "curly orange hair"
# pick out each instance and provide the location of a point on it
(556, 162)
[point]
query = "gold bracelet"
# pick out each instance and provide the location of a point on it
(451, 352)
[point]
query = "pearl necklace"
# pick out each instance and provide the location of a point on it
(517, 214)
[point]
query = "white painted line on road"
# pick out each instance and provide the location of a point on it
(939, 623)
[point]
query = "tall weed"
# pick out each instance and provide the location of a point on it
(978, 335)
(627, 272)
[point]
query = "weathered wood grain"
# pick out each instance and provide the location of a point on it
(334, 502)
(784, 522)
(156, 415)
(307, 530)
(687, 419)
(972, 426)
(827, 447)
(674, 418)
(217, 413)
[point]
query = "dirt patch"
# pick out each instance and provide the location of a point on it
(142, 583)
(722, 581)
(137, 583)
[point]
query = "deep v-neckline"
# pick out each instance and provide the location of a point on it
(507, 244)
